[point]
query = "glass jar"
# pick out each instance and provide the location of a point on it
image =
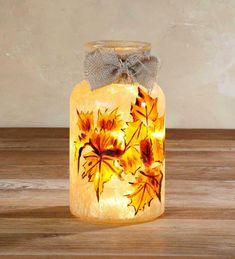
(117, 133)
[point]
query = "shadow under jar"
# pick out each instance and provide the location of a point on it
(117, 134)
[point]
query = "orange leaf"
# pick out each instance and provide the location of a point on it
(155, 179)
(158, 150)
(157, 139)
(146, 188)
(134, 133)
(85, 121)
(130, 160)
(99, 169)
(100, 162)
(145, 108)
(146, 152)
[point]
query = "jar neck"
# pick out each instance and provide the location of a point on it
(122, 48)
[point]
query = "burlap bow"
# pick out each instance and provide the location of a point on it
(103, 66)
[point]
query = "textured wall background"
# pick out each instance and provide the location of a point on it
(41, 53)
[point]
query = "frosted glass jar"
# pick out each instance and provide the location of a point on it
(117, 134)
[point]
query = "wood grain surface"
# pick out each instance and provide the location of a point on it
(34, 200)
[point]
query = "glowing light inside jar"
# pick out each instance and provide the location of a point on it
(158, 134)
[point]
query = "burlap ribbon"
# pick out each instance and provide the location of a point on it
(104, 66)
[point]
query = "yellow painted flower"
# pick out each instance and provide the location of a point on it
(109, 120)
(105, 144)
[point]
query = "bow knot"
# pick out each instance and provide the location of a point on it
(104, 66)
(123, 67)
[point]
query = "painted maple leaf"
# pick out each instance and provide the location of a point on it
(99, 164)
(145, 119)
(99, 170)
(146, 188)
(145, 108)
(149, 179)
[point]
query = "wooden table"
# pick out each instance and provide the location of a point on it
(34, 204)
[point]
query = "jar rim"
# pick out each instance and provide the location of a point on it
(119, 45)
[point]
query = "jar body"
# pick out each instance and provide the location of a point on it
(117, 164)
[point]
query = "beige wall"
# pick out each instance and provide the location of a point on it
(41, 53)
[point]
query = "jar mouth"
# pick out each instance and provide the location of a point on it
(120, 46)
